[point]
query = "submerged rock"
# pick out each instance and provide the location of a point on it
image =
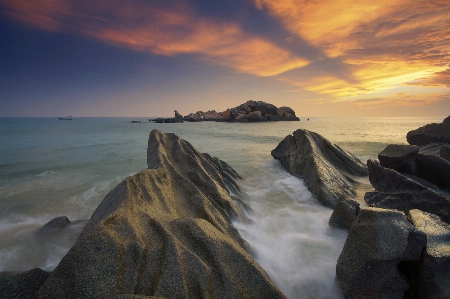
(377, 243)
(21, 284)
(430, 133)
(165, 232)
(344, 214)
(327, 169)
(432, 277)
(403, 192)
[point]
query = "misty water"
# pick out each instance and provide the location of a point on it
(50, 168)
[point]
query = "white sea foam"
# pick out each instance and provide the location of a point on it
(290, 235)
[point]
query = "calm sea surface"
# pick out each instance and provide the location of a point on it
(50, 168)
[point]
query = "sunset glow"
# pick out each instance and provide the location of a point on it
(326, 51)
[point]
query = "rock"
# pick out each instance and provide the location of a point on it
(327, 170)
(178, 115)
(242, 118)
(431, 149)
(344, 214)
(430, 133)
(401, 158)
(254, 116)
(432, 277)
(271, 117)
(445, 152)
(21, 284)
(165, 232)
(434, 169)
(403, 192)
(284, 109)
(55, 223)
(378, 241)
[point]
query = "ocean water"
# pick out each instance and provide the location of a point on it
(50, 168)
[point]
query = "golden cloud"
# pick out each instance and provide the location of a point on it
(165, 30)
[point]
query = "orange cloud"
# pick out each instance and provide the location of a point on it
(165, 30)
(402, 100)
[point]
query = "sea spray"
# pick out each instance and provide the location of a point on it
(290, 235)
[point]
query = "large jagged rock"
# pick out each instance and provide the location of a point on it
(430, 133)
(434, 169)
(377, 243)
(403, 192)
(165, 232)
(400, 158)
(344, 214)
(432, 276)
(327, 169)
(23, 284)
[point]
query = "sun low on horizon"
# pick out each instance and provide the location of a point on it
(148, 58)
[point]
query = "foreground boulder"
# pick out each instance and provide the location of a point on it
(430, 133)
(432, 277)
(21, 285)
(165, 232)
(394, 190)
(377, 243)
(434, 169)
(327, 169)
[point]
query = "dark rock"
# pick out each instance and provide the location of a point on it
(241, 118)
(254, 116)
(55, 223)
(344, 214)
(431, 133)
(20, 285)
(434, 169)
(136, 121)
(271, 117)
(405, 192)
(282, 110)
(445, 152)
(177, 114)
(431, 149)
(327, 170)
(432, 277)
(378, 241)
(165, 232)
(168, 120)
(400, 158)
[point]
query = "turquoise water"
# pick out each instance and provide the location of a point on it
(50, 168)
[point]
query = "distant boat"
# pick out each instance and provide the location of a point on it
(65, 118)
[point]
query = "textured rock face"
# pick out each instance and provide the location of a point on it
(327, 169)
(400, 157)
(430, 133)
(432, 279)
(165, 232)
(344, 214)
(377, 243)
(21, 285)
(398, 191)
(445, 152)
(177, 114)
(434, 169)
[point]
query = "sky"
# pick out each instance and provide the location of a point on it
(143, 58)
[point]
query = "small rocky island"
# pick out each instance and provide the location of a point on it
(398, 245)
(251, 111)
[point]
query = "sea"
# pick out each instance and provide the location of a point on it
(51, 168)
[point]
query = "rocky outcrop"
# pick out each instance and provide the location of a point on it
(432, 277)
(430, 133)
(377, 243)
(344, 214)
(403, 192)
(21, 285)
(165, 232)
(400, 157)
(445, 152)
(434, 169)
(177, 114)
(327, 169)
(251, 111)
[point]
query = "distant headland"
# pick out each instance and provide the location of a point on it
(251, 111)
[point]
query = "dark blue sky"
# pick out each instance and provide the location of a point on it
(148, 58)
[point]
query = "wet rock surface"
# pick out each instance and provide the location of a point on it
(328, 170)
(377, 243)
(400, 157)
(165, 232)
(344, 214)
